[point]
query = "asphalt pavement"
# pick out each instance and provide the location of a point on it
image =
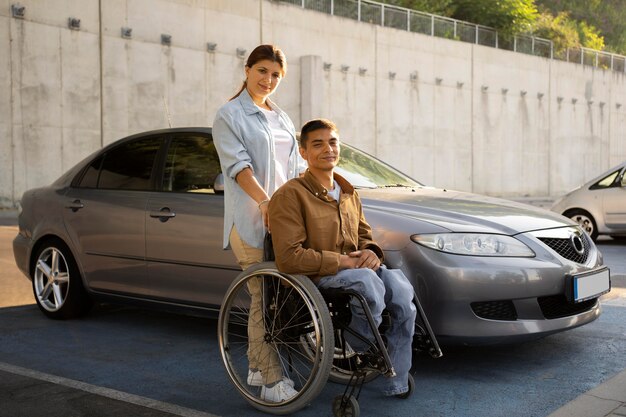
(133, 362)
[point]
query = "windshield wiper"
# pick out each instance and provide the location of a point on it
(396, 186)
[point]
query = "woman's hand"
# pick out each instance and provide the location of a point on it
(263, 206)
(250, 185)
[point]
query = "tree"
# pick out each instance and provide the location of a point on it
(608, 16)
(438, 7)
(595, 24)
(560, 29)
(590, 36)
(509, 17)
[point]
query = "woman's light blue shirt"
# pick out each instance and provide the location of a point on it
(243, 139)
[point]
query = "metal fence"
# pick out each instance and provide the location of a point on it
(444, 27)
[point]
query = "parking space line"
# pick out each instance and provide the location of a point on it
(105, 392)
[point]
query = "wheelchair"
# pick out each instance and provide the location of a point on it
(306, 329)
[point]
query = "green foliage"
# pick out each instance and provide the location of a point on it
(608, 16)
(510, 17)
(438, 7)
(596, 24)
(590, 36)
(560, 29)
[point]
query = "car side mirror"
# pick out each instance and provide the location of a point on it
(218, 184)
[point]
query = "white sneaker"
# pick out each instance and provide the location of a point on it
(280, 392)
(255, 379)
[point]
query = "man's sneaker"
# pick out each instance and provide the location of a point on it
(280, 392)
(255, 379)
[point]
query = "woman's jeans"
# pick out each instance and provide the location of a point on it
(384, 288)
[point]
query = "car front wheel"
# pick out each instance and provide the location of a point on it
(585, 220)
(57, 284)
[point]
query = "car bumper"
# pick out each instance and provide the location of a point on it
(21, 252)
(474, 300)
(479, 331)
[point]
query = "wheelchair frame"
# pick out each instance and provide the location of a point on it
(304, 328)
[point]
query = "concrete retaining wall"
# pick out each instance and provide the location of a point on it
(452, 114)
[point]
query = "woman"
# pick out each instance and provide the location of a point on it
(256, 143)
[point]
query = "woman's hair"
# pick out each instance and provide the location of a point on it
(264, 52)
(313, 125)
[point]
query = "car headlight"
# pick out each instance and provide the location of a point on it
(474, 244)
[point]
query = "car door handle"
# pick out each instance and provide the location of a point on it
(164, 214)
(75, 206)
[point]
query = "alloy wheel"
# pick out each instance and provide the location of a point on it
(51, 279)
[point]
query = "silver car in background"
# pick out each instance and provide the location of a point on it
(598, 206)
(140, 222)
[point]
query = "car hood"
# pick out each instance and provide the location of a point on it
(458, 211)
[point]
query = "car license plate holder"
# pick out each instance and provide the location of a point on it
(587, 285)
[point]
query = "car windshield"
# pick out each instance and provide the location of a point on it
(365, 171)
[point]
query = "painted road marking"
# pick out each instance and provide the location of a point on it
(105, 392)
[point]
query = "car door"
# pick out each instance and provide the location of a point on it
(614, 204)
(184, 226)
(105, 216)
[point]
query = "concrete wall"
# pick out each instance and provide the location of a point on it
(455, 115)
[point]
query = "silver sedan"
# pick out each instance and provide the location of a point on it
(599, 206)
(140, 222)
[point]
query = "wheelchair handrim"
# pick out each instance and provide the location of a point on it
(225, 316)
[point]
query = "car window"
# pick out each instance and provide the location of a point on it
(606, 182)
(191, 166)
(90, 177)
(365, 171)
(623, 183)
(129, 166)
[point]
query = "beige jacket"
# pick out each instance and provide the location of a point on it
(311, 230)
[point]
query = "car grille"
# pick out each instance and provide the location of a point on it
(556, 306)
(564, 248)
(495, 310)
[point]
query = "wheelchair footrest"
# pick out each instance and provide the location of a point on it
(390, 373)
(423, 343)
(374, 362)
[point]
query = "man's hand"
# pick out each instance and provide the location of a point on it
(360, 259)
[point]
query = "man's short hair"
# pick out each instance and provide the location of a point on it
(313, 125)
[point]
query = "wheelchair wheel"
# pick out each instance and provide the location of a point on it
(292, 307)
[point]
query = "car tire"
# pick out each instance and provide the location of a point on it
(585, 220)
(57, 283)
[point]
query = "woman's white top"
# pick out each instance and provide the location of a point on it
(243, 139)
(283, 143)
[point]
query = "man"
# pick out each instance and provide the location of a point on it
(319, 230)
